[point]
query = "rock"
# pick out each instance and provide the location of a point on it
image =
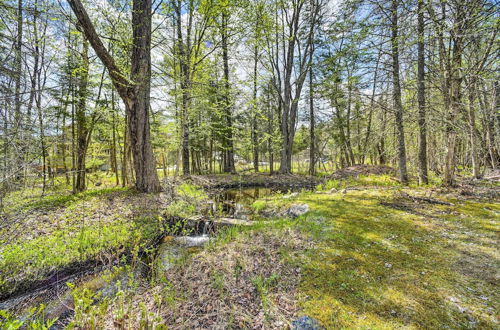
(231, 222)
(296, 210)
(240, 211)
(305, 323)
(292, 195)
(191, 241)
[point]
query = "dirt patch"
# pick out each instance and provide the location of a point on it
(403, 201)
(478, 266)
(243, 284)
(357, 170)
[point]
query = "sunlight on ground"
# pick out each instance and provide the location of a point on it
(375, 266)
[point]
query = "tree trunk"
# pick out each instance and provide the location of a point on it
(18, 118)
(81, 120)
(114, 157)
(370, 113)
(135, 94)
(422, 151)
(312, 145)
(398, 106)
(255, 141)
(228, 134)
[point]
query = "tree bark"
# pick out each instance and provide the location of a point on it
(135, 93)
(81, 120)
(228, 131)
(422, 151)
(18, 117)
(255, 141)
(398, 106)
(312, 142)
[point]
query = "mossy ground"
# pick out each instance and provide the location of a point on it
(409, 264)
(369, 254)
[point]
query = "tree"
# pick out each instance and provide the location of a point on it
(82, 128)
(422, 151)
(292, 38)
(134, 91)
(228, 143)
(396, 93)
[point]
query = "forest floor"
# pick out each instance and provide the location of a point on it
(369, 253)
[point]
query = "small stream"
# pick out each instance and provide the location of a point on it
(230, 203)
(236, 202)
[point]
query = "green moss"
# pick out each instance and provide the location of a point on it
(362, 180)
(376, 266)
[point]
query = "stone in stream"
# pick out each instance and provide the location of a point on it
(292, 195)
(174, 248)
(296, 210)
(192, 241)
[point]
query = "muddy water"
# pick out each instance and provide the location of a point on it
(236, 202)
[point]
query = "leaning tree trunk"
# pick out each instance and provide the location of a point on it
(134, 92)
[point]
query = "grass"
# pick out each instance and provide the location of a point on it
(50, 232)
(373, 266)
(369, 257)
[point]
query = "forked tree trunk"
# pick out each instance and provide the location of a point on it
(134, 92)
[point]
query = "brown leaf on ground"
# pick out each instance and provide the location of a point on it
(244, 284)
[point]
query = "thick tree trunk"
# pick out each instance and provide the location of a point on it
(398, 106)
(135, 93)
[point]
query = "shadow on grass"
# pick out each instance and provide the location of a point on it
(378, 267)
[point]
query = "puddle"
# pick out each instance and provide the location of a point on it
(236, 203)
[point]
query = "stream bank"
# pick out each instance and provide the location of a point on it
(228, 207)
